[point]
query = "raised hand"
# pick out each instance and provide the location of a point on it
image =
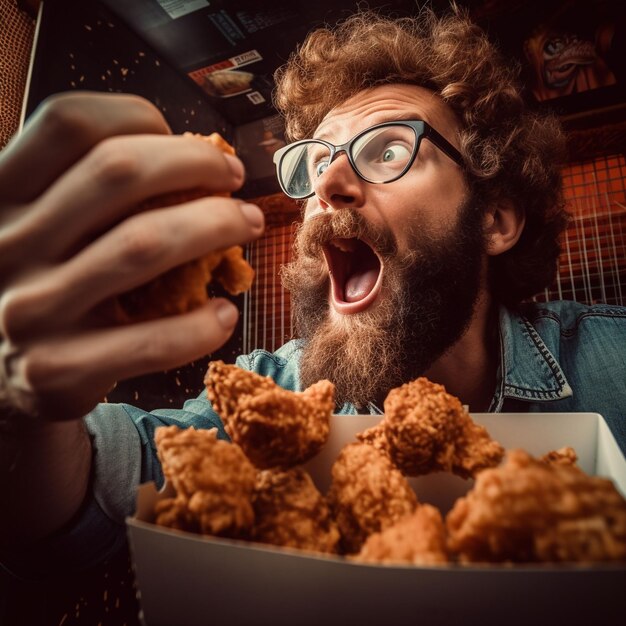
(71, 236)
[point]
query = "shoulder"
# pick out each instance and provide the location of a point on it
(282, 365)
(572, 332)
(574, 317)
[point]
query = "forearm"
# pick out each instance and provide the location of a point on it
(44, 476)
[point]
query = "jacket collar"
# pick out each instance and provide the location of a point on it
(528, 370)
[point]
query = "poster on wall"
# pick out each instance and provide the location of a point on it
(569, 54)
(573, 55)
(228, 48)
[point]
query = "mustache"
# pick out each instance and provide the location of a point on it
(313, 234)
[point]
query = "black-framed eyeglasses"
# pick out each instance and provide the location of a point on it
(380, 154)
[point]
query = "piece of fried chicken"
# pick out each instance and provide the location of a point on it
(183, 288)
(531, 510)
(417, 539)
(274, 427)
(564, 456)
(290, 511)
(428, 430)
(367, 494)
(213, 479)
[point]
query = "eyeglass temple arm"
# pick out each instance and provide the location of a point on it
(444, 145)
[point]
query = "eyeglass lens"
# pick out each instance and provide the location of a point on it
(379, 155)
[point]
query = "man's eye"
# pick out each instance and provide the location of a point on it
(321, 167)
(396, 152)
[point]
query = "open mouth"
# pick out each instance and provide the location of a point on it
(356, 272)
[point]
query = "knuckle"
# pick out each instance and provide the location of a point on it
(140, 242)
(11, 313)
(65, 117)
(113, 163)
(79, 110)
(31, 367)
(38, 369)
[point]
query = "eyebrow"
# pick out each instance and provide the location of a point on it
(396, 116)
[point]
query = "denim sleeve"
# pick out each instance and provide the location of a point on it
(124, 457)
(124, 449)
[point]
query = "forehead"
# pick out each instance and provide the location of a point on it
(385, 103)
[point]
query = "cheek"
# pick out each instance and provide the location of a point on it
(424, 215)
(311, 208)
(426, 203)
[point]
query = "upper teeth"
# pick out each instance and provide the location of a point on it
(345, 245)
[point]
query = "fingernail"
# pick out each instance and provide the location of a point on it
(253, 214)
(236, 166)
(227, 314)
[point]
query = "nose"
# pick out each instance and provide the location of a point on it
(339, 186)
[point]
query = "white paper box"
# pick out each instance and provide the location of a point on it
(185, 579)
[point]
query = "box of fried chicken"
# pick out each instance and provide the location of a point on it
(538, 537)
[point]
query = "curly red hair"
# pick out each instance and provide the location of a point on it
(511, 152)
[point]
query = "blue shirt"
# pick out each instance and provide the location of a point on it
(554, 357)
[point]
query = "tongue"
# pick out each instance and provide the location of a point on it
(359, 285)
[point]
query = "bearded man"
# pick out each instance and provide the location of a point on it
(432, 210)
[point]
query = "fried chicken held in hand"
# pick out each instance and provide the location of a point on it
(367, 494)
(417, 539)
(214, 482)
(290, 511)
(184, 287)
(273, 426)
(531, 510)
(428, 430)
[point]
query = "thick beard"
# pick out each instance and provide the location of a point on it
(427, 304)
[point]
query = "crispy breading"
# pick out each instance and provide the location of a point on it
(274, 427)
(232, 271)
(417, 539)
(375, 436)
(183, 288)
(367, 494)
(174, 513)
(290, 511)
(213, 479)
(428, 430)
(566, 455)
(226, 384)
(214, 138)
(528, 510)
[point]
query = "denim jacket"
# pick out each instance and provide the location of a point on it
(554, 357)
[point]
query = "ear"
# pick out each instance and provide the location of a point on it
(503, 225)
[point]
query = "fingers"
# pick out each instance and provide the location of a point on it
(62, 130)
(136, 251)
(90, 364)
(75, 230)
(114, 179)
